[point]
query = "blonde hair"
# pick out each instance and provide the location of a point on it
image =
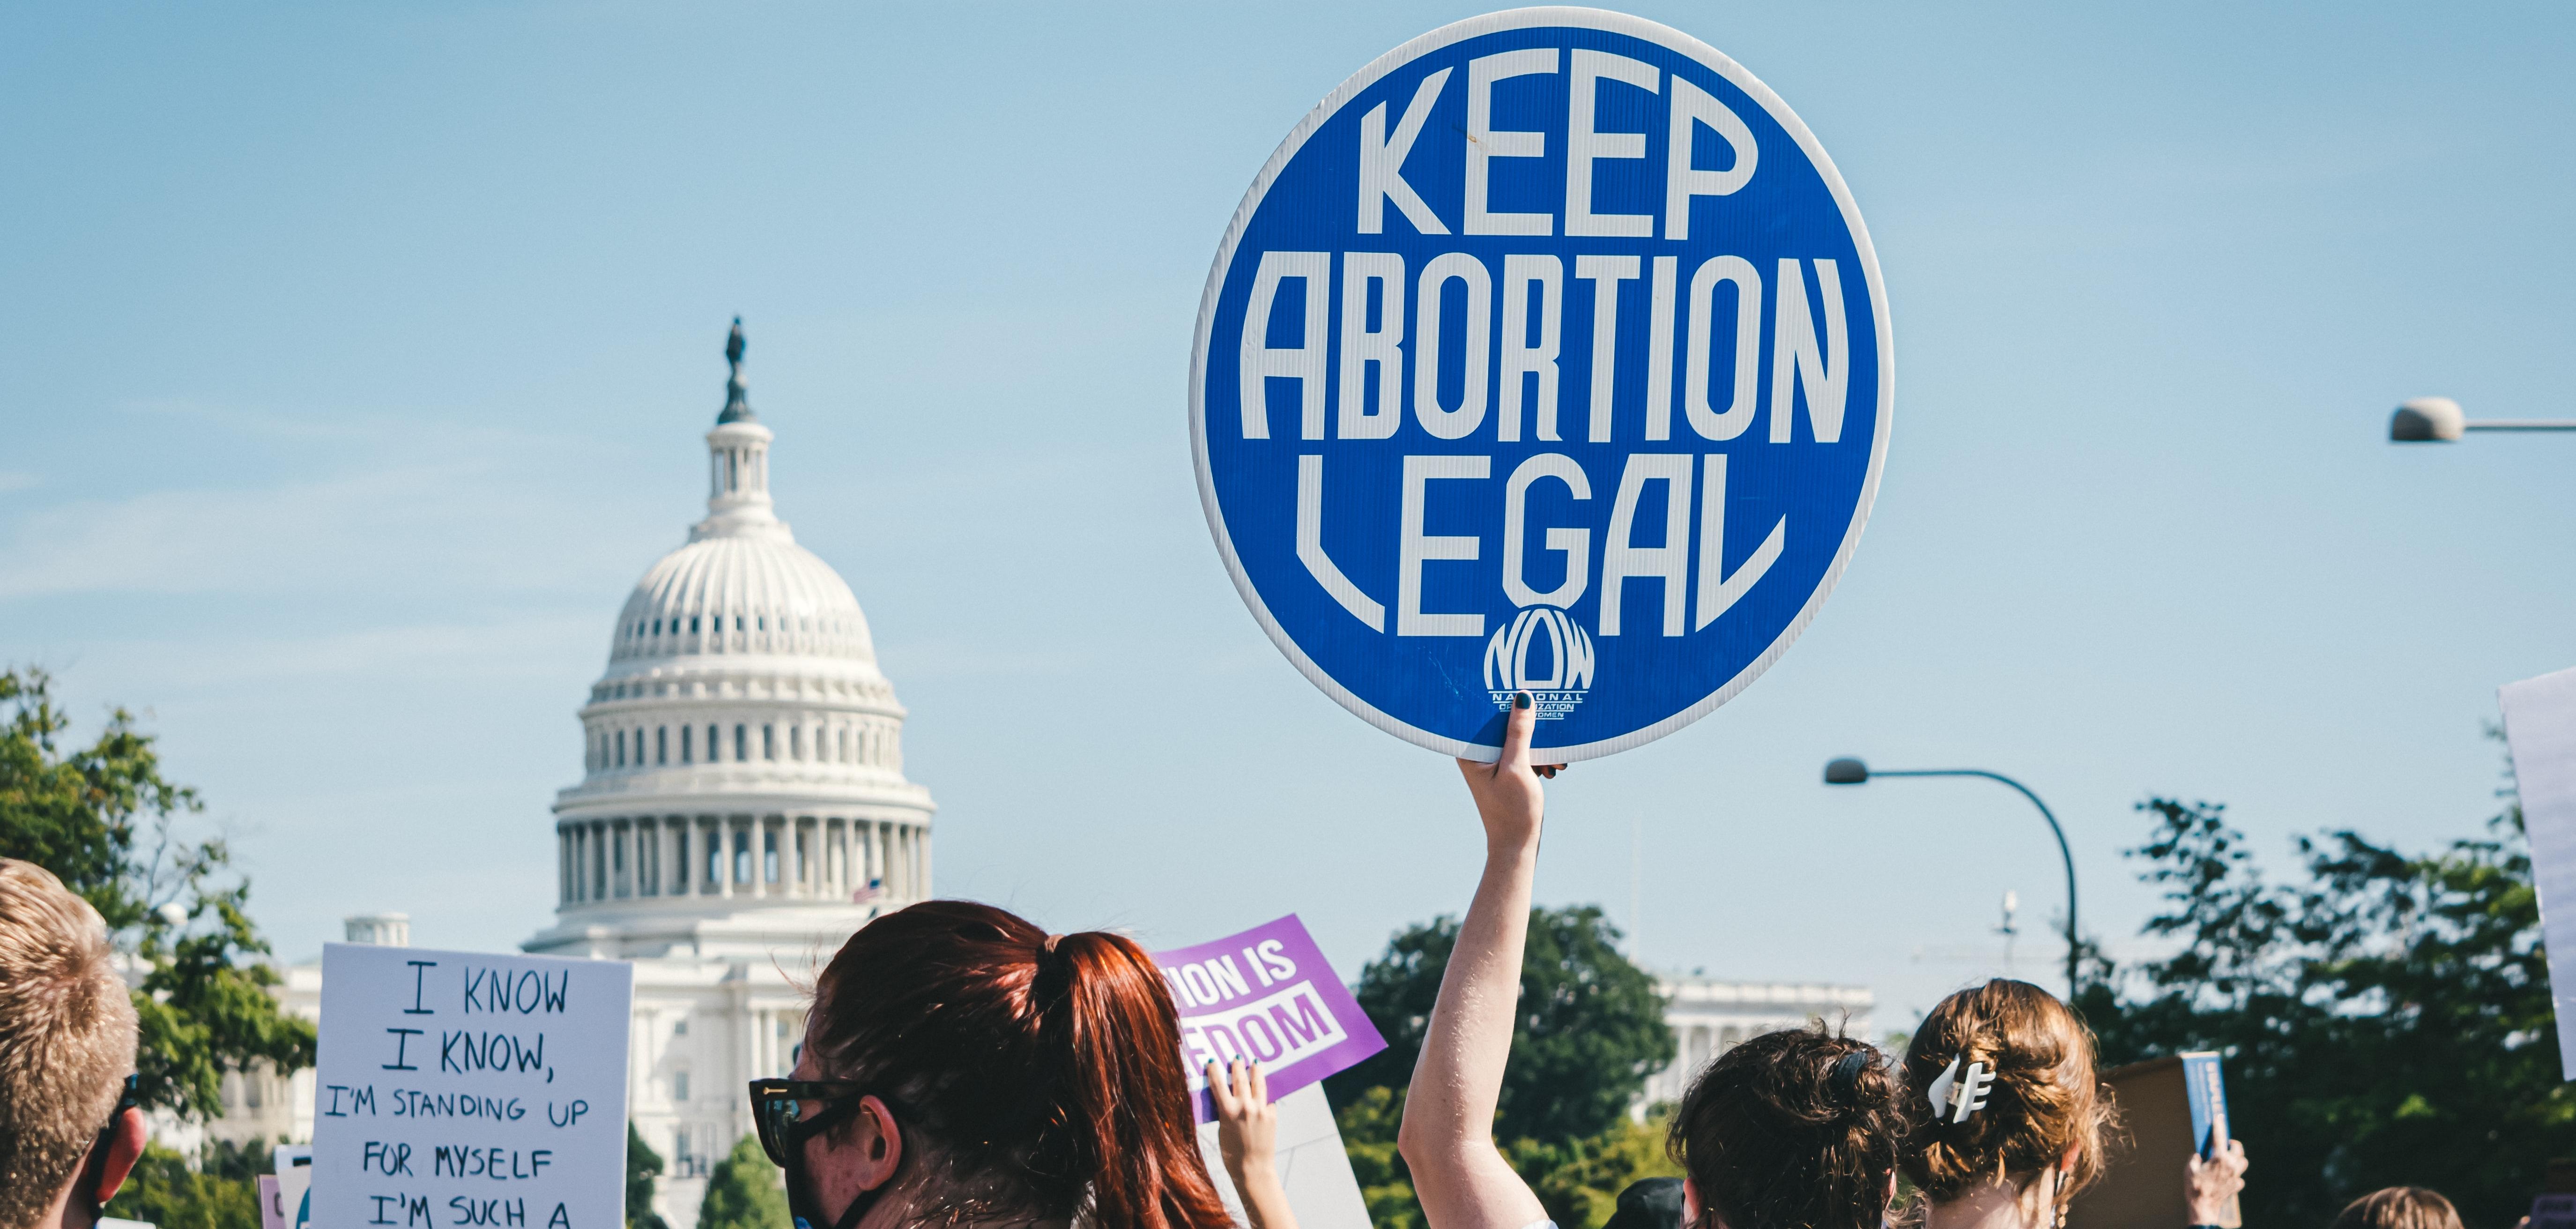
(67, 1034)
(2045, 1100)
(2399, 1207)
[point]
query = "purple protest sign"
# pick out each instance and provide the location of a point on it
(1268, 995)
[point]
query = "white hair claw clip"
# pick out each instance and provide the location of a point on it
(1959, 1094)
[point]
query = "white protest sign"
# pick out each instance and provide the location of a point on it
(464, 1089)
(2540, 728)
(293, 1187)
(1314, 1168)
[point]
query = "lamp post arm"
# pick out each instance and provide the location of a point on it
(2073, 949)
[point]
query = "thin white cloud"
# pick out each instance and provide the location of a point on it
(387, 530)
(446, 653)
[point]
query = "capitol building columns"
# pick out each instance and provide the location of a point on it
(800, 857)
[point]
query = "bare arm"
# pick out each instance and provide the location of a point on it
(1448, 1132)
(1247, 1135)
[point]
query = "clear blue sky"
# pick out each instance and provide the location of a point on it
(354, 361)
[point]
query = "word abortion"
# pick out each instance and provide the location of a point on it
(1372, 289)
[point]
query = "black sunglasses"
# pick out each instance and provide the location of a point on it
(130, 1098)
(777, 1111)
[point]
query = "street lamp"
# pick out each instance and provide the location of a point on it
(2431, 420)
(1851, 771)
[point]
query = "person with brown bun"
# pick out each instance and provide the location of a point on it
(69, 1129)
(2008, 1117)
(2399, 1207)
(962, 1067)
(1792, 1130)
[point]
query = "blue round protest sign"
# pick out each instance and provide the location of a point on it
(1548, 354)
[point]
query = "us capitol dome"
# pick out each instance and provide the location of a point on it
(742, 809)
(743, 783)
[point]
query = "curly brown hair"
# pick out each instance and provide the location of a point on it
(2399, 1207)
(1796, 1129)
(2045, 1102)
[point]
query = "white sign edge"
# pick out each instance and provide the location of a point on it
(2541, 745)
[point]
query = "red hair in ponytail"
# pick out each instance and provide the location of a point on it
(1041, 1075)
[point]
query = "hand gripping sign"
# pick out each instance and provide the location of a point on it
(1547, 354)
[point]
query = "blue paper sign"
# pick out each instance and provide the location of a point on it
(1547, 354)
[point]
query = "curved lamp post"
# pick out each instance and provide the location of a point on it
(1851, 771)
(2439, 420)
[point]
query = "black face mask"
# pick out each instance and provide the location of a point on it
(783, 1135)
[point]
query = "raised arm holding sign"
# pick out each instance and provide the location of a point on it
(1795, 1129)
(1448, 1132)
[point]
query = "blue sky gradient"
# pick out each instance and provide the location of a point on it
(355, 359)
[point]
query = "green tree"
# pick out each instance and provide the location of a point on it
(744, 1191)
(643, 1174)
(166, 1190)
(2386, 1017)
(1590, 1027)
(104, 820)
(1368, 1126)
(1578, 1181)
(1589, 1031)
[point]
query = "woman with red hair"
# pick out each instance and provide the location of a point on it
(963, 1067)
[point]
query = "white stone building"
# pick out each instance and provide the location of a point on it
(1709, 1017)
(741, 811)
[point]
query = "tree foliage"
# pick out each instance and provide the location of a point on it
(1368, 1126)
(643, 1174)
(219, 1191)
(103, 819)
(1590, 1027)
(1578, 1181)
(2386, 1017)
(744, 1191)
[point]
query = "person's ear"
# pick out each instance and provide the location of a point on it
(876, 1144)
(1692, 1210)
(124, 1148)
